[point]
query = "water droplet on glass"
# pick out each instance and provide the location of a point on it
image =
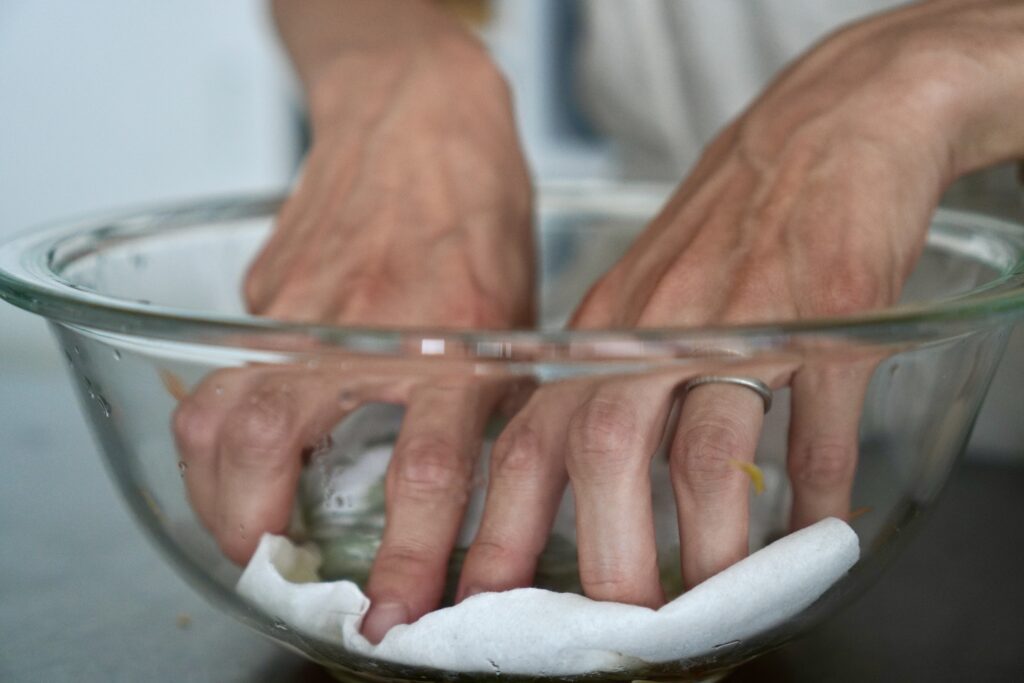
(104, 405)
(117, 355)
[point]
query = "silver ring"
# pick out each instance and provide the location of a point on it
(755, 385)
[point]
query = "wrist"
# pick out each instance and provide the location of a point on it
(361, 76)
(992, 126)
(358, 83)
(961, 95)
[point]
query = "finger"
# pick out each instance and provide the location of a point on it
(267, 271)
(612, 437)
(324, 181)
(427, 488)
(258, 463)
(259, 451)
(196, 424)
(827, 402)
(526, 484)
(719, 425)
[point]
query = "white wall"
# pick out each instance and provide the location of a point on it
(108, 103)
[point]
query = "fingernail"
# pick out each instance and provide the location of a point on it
(381, 618)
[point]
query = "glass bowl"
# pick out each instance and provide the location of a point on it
(146, 306)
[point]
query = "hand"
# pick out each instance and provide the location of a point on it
(601, 434)
(243, 433)
(415, 204)
(414, 209)
(815, 203)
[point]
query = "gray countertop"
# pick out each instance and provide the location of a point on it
(85, 597)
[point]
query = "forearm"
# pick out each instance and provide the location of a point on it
(940, 81)
(990, 39)
(957, 72)
(317, 33)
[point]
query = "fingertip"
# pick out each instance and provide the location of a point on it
(255, 285)
(491, 567)
(237, 546)
(468, 592)
(381, 618)
(241, 521)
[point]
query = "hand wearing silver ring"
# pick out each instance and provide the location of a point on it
(813, 203)
(600, 435)
(755, 385)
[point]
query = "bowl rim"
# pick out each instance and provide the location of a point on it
(28, 281)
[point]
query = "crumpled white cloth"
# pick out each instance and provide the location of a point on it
(534, 631)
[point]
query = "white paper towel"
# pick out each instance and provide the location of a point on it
(534, 631)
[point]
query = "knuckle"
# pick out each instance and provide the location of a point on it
(476, 308)
(195, 428)
(253, 285)
(491, 552)
(705, 455)
(430, 466)
(825, 464)
(364, 293)
(598, 305)
(406, 560)
(517, 452)
(601, 433)
(264, 425)
(484, 316)
(760, 292)
(849, 290)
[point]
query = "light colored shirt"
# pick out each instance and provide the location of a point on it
(660, 77)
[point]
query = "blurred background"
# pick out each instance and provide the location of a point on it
(117, 103)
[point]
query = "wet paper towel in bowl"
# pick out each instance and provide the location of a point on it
(535, 631)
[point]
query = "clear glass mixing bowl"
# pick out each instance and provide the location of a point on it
(146, 306)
